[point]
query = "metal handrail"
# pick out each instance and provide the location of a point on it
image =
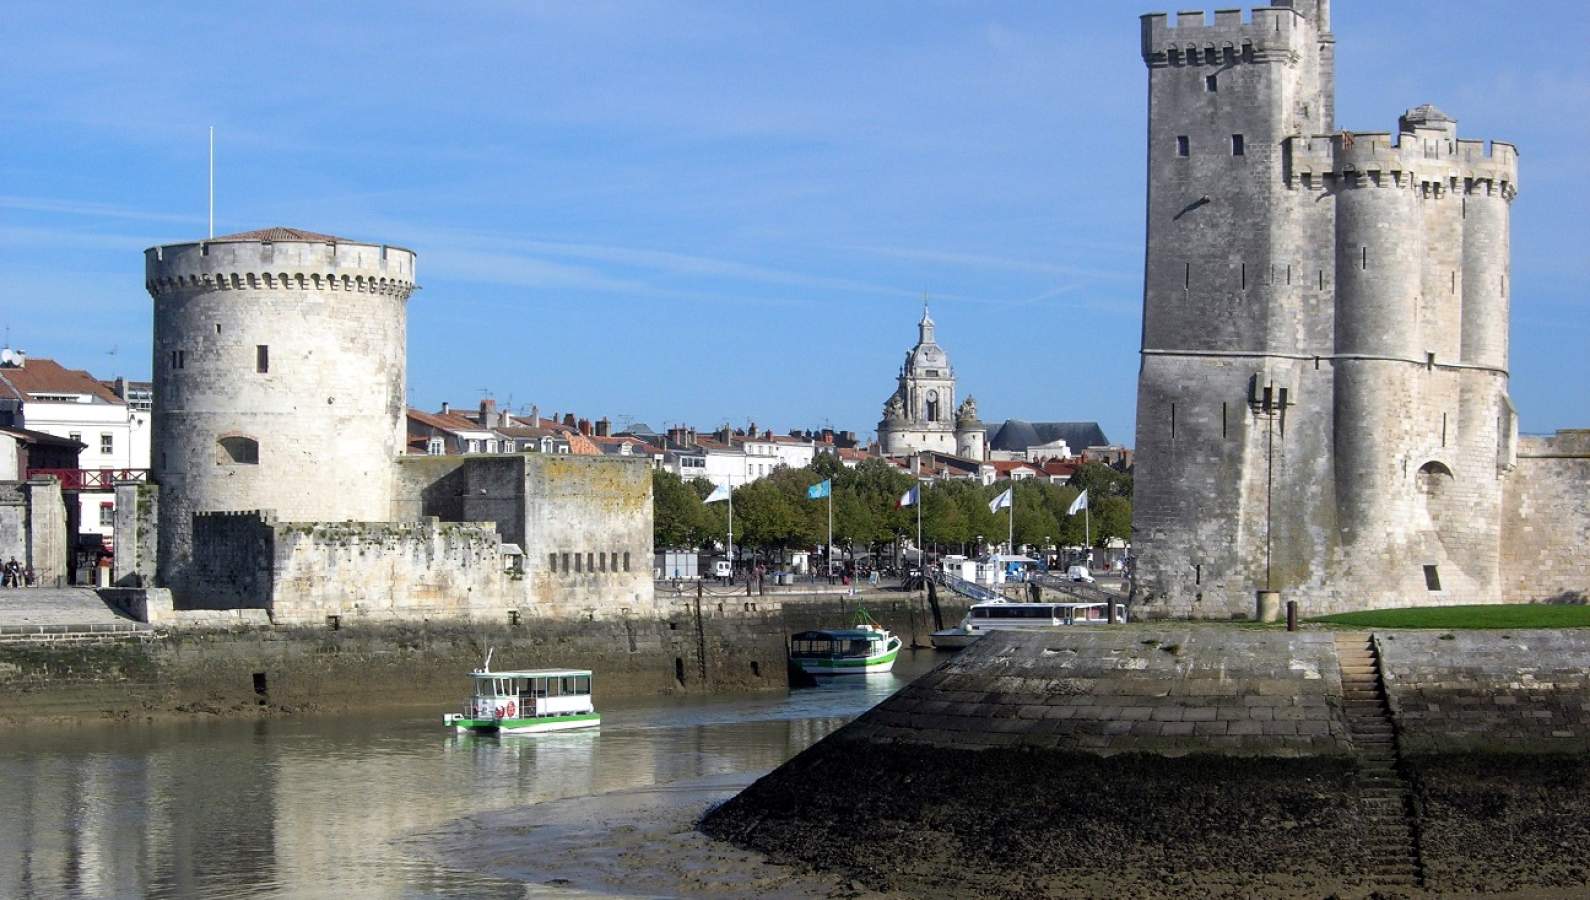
(1079, 589)
(966, 588)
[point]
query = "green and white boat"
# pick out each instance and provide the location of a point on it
(863, 649)
(528, 701)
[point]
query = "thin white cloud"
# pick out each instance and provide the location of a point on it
(93, 210)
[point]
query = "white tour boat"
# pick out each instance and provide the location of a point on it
(1000, 615)
(526, 702)
(863, 649)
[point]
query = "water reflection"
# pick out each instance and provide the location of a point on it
(319, 806)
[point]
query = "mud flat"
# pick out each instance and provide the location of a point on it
(1198, 761)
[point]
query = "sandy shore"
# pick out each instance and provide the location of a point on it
(633, 843)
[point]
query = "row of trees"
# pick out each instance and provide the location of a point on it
(772, 514)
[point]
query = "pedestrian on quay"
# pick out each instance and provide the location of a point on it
(13, 574)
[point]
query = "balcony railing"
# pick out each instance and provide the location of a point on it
(92, 479)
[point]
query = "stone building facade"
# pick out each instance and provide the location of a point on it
(1322, 403)
(281, 478)
(921, 413)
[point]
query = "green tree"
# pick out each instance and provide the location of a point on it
(679, 519)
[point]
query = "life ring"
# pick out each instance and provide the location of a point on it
(510, 709)
(497, 713)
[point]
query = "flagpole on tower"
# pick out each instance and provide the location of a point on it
(921, 558)
(212, 181)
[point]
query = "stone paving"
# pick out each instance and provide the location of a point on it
(56, 607)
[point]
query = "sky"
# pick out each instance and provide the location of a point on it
(715, 212)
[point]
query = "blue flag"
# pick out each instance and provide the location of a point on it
(824, 488)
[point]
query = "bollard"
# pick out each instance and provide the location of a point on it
(1115, 619)
(1291, 615)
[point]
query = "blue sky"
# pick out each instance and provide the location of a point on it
(715, 212)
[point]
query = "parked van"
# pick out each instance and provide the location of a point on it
(1079, 573)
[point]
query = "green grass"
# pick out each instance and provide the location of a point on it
(1499, 616)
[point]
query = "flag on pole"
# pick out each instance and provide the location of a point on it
(911, 498)
(1078, 504)
(1000, 502)
(718, 495)
(818, 491)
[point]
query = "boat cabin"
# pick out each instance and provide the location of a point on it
(530, 693)
(843, 643)
(1030, 615)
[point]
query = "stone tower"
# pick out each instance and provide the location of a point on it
(279, 379)
(920, 414)
(970, 438)
(1323, 385)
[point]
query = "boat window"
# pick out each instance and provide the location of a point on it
(569, 685)
(582, 684)
(554, 686)
(539, 686)
(860, 647)
(979, 613)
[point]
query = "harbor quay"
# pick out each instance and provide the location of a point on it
(1208, 760)
(719, 641)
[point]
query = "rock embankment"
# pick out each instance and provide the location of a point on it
(1195, 760)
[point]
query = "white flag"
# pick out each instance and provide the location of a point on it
(1000, 502)
(1078, 504)
(718, 495)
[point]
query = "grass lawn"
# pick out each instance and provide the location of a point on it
(1499, 616)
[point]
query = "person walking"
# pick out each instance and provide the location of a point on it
(13, 574)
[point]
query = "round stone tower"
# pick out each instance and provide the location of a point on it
(969, 434)
(278, 379)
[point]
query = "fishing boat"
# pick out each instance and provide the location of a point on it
(863, 649)
(1000, 615)
(528, 701)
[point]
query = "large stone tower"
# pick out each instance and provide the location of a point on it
(1322, 402)
(920, 414)
(278, 379)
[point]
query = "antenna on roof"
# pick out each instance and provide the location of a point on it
(212, 181)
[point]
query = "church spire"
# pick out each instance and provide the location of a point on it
(925, 327)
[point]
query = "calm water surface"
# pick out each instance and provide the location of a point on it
(319, 806)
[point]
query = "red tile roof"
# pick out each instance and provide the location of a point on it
(447, 422)
(279, 233)
(46, 376)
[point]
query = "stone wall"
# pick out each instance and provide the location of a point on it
(283, 670)
(1119, 690)
(1471, 691)
(137, 535)
(1546, 521)
(593, 515)
(233, 559)
(375, 570)
(33, 528)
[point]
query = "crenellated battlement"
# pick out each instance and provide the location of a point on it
(1407, 160)
(274, 264)
(1265, 34)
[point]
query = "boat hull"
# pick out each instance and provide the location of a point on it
(535, 725)
(953, 639)
(868, 665)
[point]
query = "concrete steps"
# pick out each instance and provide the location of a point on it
(1385, 799)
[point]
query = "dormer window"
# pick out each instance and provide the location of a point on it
(435, 447)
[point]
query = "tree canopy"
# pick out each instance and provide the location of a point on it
(773, 514)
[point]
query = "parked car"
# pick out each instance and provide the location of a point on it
(1079, 573)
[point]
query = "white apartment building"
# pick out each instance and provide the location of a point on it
(42, 395)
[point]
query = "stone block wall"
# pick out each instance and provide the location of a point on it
(232, 553)
(1119, 690)
(588, 535)
(1546, 521)
(136, 535)
(1512, 692)
(388, 570)
(33, 528)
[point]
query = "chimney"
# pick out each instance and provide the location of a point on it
(121, 387)
(568, 420)
(724, 434)
(488, 413)
(916, 464)
(446, 408)
(828, 435)
(585, 427)
(752, 429)
(603, 426)
(535, 416)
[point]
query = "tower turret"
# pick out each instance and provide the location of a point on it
(279, 379)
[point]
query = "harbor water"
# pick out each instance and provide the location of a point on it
(377, 803)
